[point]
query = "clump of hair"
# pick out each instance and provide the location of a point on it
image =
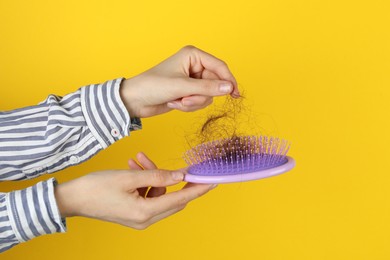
(223, 122)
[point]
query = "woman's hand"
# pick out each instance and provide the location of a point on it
(122, 196)
(186, 81)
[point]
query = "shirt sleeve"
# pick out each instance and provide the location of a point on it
(51, 136)
(29, 213)
(62, 131)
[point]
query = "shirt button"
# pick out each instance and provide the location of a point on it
(74, 159)
(115, 132)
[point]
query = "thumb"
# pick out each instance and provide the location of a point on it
(208, 87)
(157, 178)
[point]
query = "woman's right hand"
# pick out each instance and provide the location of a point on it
(186, 81)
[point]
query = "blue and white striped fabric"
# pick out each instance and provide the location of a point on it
(55, 134)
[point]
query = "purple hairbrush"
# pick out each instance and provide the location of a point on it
(238, 159)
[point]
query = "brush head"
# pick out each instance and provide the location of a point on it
(240, 158)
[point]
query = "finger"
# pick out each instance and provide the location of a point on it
(196, 100)
(179, 106)
(184, 87)
(156, 192)
(191, 184)
(217, 66)
(191, 103)
(157, 178)
(134, 165)
(223, 72)
(204, 74)
(177, 199)
(146, 163)
(210, 87)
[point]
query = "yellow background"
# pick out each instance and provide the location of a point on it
(314, 72)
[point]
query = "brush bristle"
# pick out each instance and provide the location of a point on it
(236, 155)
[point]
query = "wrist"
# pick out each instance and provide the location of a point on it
(64, 195)
(128, 98)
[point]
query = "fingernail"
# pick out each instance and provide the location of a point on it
(177, 176)
(236, 94)
(172, 105)
(213, 186)
(225, 87)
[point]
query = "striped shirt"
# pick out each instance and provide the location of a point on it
(51, 136)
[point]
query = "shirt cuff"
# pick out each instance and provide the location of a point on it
(105, 113)
(33, 211)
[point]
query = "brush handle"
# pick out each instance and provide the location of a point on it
(241, 177)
